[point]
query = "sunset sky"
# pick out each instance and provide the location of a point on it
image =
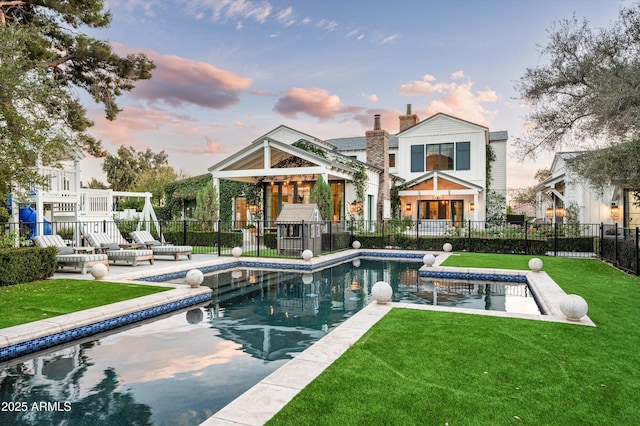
(229, 71)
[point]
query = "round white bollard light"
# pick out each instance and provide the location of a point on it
(307, 255)
(429, 259)
(236, 252)
(194, 278)
(381, 292)
(573, 307)
(99, 271)
(356, 244)
(307, 278)
(195, 316)
(447, 247)
(536, 264)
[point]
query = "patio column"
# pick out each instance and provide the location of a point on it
(267, 154)
(475, 210)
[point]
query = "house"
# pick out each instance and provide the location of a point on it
(565, 193)
(442, 167)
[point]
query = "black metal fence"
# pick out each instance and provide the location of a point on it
(617, 245)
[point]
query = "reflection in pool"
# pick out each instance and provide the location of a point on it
(182, 368)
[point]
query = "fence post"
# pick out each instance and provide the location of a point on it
(615, 245)
(555, 239)
(219, 239)
(304, 240)
(469, 237)
(601, 250)
(526, 237)
(637, 251)
(330, 236)
(184, 232)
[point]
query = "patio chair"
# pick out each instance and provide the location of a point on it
(71, 256)
(130, 253)
(159, 249)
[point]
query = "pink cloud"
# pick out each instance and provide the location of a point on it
(456, 98)
(314, 102)
(178, 81)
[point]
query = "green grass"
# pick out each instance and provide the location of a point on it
(434, 368)
(23, 303)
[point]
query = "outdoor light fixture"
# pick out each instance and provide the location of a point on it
(615, 211)
(407, 207)
(549, 212)
(354, 207)
(253, 208)
(472, 207)
(560, 211)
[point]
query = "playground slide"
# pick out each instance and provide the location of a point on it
(29, 217)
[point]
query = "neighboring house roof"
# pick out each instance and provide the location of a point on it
(430, 175)
(298, 212)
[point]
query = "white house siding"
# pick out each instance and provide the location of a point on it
(499, 167)
(287, 135)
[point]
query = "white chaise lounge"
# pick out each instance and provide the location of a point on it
(159, 249)
(119, 250)
(70, 256)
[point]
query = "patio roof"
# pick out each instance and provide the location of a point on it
(433, 183)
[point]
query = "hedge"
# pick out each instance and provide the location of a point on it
(23, 265)
(204, 238)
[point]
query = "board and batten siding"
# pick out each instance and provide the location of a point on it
(499, 167)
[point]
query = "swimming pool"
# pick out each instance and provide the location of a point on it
(184, 367)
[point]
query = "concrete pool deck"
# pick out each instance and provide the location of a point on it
(265, 399)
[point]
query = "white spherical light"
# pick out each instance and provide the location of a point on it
(307, 278)
(236, 252)
(194, 278)
(536, 264)
(447, 247)
(356, 244)
(307, 255)
(99, 271)
(429, 259)
(573, 307)
(381, 292)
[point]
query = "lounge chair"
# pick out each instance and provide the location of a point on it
(159, 249)
(71, 256)
(119, 250)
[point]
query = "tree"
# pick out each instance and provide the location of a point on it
(44, 60)
(322, 196)
(96, 184)
(587, 96)
(145, 171)
(528, 196)
(207, 204)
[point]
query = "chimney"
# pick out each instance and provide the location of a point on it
(408, 119)
(378, 155)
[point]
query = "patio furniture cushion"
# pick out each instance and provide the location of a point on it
(77, 260)
(145, 237)
(115, 252)
(65, 250)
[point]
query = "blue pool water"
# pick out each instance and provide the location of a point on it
(182, 368)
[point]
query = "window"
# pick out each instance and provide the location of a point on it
(417, 158)
(439, 156)
(463, 155)
(392, 160)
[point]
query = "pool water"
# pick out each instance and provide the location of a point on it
(182, 368)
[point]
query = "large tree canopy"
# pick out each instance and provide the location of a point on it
(44, 59)
(588, 94)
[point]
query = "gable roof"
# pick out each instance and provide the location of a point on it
(435, 174)
(442, 115)
(298, 212)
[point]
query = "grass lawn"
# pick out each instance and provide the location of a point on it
(23, 303)
(435, 368)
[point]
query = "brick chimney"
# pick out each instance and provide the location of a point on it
(408, 119)
(378, 155)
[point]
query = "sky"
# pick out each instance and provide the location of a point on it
(230, 71)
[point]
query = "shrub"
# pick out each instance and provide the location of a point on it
(23, 265)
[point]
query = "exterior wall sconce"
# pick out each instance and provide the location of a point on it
(355, 207)
(549, 212)
(472, 207)
(407, 207)
(253, 208)
(560, 212)
(615, 211)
